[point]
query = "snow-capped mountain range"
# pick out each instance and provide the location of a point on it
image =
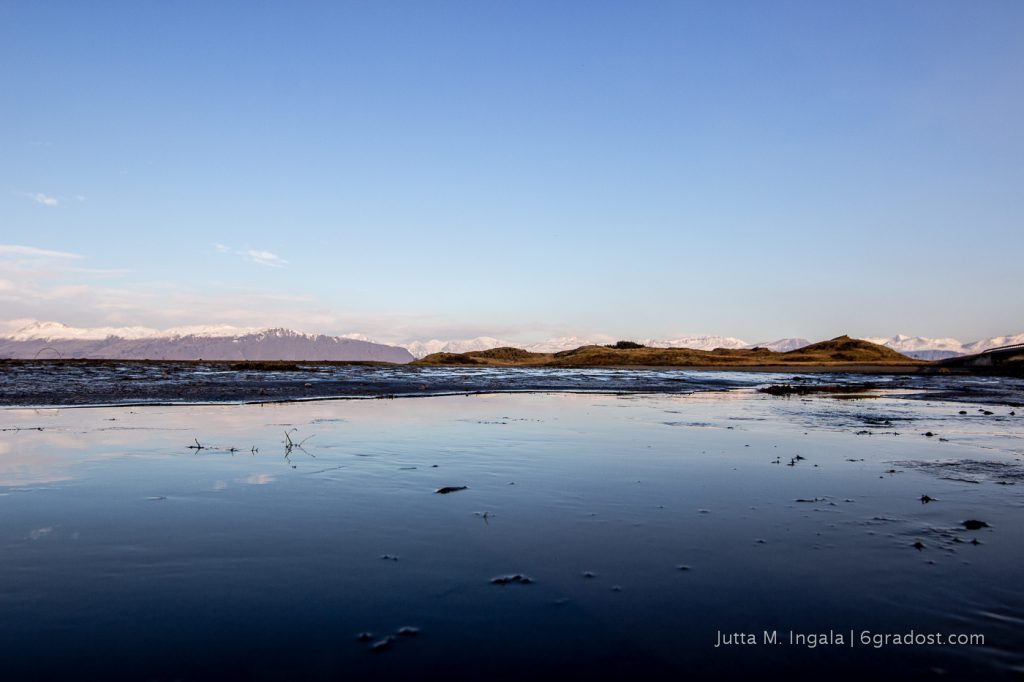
(923, 348)
(224, 342)
(53, 340)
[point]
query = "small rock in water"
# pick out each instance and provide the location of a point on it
(987, 413)
(929, 434)
(382, 645)
(408, 631)
(616, 588)
(918, 545)
(515, 578)
(974, 524)
(925, 499)
(683, 567)
(589, 574)
(389, 557)
(963, 411)
(364, 636)
(451, 489)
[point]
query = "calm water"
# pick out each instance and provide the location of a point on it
(128, 555)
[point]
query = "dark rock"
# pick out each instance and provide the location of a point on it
(451, 489)
(515, 578)
(974, 524)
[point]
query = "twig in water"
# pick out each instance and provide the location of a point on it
(290, 444)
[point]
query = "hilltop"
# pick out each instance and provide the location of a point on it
(841, 350)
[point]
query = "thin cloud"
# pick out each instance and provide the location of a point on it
(33, 252)
(45, 199)
(257, 256)
(265, 258)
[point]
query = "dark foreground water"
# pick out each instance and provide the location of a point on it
(65, 383)
(647, 525)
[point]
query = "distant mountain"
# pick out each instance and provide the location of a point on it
(420, 349)
(924, 348)
(994, 342)
(45, 340)
(36, 330)
(222, 342)
(782, 345)
(931, 354)
(696, 342)
(905, 344)
(917, 347)
(841, 350)
(561, 343)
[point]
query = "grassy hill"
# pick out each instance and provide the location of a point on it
(841, 350)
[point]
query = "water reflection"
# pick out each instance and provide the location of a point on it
(129, 554)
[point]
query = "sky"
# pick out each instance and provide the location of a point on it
(411, 170)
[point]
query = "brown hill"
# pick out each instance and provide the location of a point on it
(838, 351)
(845, 349)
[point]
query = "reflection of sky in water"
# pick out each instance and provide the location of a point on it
(122, 544)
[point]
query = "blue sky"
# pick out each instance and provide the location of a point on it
(523, 170)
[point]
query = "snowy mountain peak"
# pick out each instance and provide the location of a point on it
(782, 345)
(924, 348)
(698, 342)
(903, 343)
(36, 330)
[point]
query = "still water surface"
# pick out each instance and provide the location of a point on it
(647, 524)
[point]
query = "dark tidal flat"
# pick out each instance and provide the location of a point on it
(603, 536)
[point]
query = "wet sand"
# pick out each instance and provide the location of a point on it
(598, 535)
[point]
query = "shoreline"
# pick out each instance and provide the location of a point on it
(116, 388)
